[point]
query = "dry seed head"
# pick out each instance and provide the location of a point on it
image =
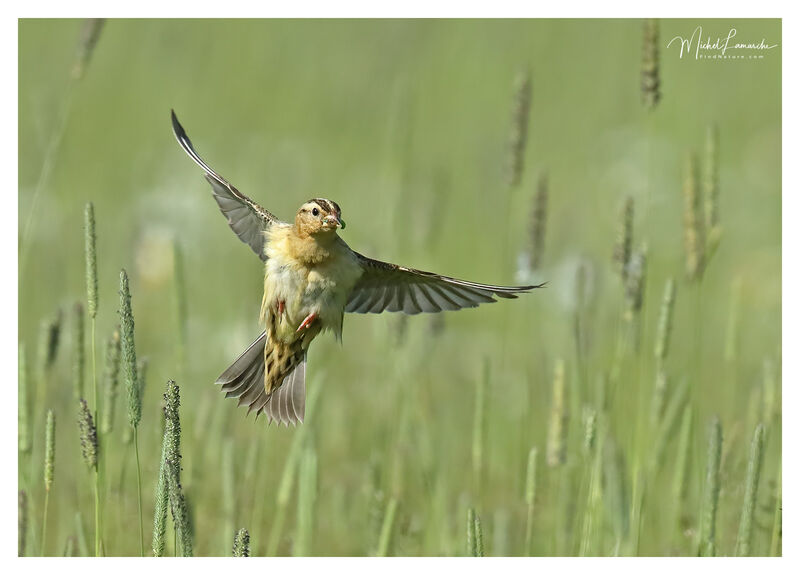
(90, 248)
(23, 424)
(557, 430)
(128, 349)
(241, 543)
(664, 328)
(49, 449)
(79, 353)
(693, 229)
(88, 435)
(90, 34)
(538, 223)
(624, 241)
(651, 79)
(519, 128)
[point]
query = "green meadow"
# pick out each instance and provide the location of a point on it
(630, 407)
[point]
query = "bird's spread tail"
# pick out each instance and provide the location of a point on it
(280, 392)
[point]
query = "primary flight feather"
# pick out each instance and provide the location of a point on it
(311, 278)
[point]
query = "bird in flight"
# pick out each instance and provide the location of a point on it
(311, 278)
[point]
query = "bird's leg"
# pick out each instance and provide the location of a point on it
(310, 318)
(281, 307)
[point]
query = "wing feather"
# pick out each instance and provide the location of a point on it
(247, 219)
(389, 287)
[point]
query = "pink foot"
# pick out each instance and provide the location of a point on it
(308, 321)
(281, 307)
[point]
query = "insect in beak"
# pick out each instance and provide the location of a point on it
(335, 220)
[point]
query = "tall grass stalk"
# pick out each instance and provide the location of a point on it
(777, 522)
(83, 546)
(745, 535)
(79, 353)
(708, 526)
(306, 501)
(530, 498)
(22, 522)
(557, 428)
(228, 486)
(474, 534)
(180, 305)
(289, 472)
(479, 429)
(387, 528)
(90, 252)
(89, 449)
(23, 415)
(680, 480)
(49, 470)
(131, 372)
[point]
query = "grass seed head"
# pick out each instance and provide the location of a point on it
(88, 433)
(519, 128)
(49, 450)
(664, 328)
(90, 249)
(110, 382)
(651, 78)
(241, 543)
(538, 223)
(128, 349)
(624, 241)
(90, 34)
(693, 229)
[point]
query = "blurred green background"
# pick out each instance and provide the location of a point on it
(404, 123)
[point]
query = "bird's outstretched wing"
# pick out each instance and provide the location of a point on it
(389, 287)
(245, 217)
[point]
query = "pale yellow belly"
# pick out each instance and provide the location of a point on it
(321, 289)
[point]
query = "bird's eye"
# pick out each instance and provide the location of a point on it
(315, 211)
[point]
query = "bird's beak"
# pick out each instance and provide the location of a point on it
(336, 221)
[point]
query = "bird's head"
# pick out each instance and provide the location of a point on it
(319, 216)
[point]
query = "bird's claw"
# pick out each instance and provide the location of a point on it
(308, 321)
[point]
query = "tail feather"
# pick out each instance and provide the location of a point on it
(245, 380)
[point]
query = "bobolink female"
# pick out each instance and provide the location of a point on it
(311, 278)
